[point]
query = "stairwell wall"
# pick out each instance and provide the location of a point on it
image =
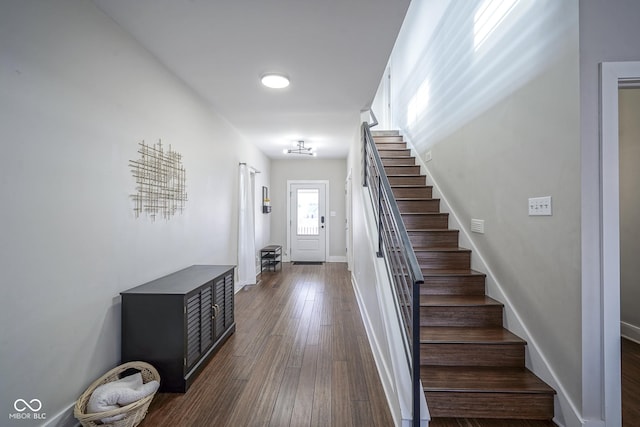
(501, 122)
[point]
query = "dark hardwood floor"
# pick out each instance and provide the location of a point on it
(299, 357)
(630, 383)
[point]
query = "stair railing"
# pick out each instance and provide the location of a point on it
(394, 245)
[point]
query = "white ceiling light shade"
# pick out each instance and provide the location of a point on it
(275, 80)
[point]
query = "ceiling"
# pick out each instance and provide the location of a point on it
(334, 52)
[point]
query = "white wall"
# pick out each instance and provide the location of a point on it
(363, 270)
(333, 170)
(502, 124)
(629, 110)
(76, 97)
(366, 284)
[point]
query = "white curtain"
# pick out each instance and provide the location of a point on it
(246, 231)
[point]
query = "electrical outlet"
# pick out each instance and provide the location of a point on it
(540, 206)
(427, 156)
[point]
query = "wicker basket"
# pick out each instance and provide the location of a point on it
(134, 412)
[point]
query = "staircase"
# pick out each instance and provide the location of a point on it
(471, 367)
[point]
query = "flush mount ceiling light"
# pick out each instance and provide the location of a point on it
(301, 149)
(274, 80)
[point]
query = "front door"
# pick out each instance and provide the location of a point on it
(308, 222)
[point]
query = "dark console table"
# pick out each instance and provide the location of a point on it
(178, 322)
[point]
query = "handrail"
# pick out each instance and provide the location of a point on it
(374, 118)
(395, 246)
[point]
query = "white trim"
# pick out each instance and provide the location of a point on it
(327, 208)
(629, 331)
(63, 418)
(610, 249)
(612, 74)
(536, 361)
(349, 220)
(336, 258)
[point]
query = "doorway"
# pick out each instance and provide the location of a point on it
(629, 149)
(308, 224)
(613, 76)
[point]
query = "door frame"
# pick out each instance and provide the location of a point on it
(601, 295)
(348, 193)
(327, 194)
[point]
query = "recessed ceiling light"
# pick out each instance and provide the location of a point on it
(275, 81)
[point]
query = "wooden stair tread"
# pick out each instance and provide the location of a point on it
(434, 273)
(388, 132)
(463, 335)
(457, 301)
(411, 186)
(482, 379)
(425, 213)
(443, 249)
(417, 199)
(385, 156)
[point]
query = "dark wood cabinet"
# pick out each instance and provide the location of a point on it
(179, 321)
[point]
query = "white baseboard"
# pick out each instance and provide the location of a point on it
(630, 331)
(63, 418)
(332, 258)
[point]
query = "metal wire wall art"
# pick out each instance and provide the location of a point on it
(160, 181)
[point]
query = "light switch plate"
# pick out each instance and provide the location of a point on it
(540, 206)
(477, 225)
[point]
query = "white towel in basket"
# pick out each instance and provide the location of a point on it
(119, 393)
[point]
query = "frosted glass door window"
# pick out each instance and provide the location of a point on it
(308, 219)
(308, 225)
